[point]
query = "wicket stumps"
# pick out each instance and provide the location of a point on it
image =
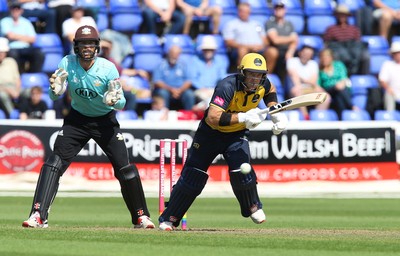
(172, 171)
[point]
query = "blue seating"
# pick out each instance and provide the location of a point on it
(229, 11)
(355, 115)
(147, 61)
(3, 6)
(323, 115)
(359, 100)
(317, 24)
(280, 90)
(385, 115)
(126, 15)
(2, 114)
(317, 7)
(14, 114)
(294, 7)
(52, 48)
(259, 10)
(146, 43)
(297, 21)
(376, 62)
(361, 83)
(29, 80)
(314, 41)
(183, 41)
(353, 5)
(126, 115)
(140, 83)
(102, 21)
(376, 44)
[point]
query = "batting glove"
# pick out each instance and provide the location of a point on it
(114, 93)
(280, 122)
(251, 118)
(58, 81)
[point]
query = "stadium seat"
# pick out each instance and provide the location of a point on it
(127, 115)
(2, 114)
(147, 61)
(293, 7)
(52, 48)
(323, 115)
(146, 43)
(102, 21)
(360, 100)
(29, 80)
(376, 62)
(48, 101)
(317, 7)
(314, 41)
(274, 79)
(361, 83)
(14, 114)
(184, 41)
(355, 115)
(126, 15)
(395, 39)
(376, 44)
(228, 6)
(298, 22)
(259, 10)
(140, 83)
(385, 115)
(3, 6)
(317, 24)
(353, 5)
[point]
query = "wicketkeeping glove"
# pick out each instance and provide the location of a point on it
(280, 122)
(58, 81)
(114, 93)
(251, 118)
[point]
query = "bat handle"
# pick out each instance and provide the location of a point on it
(264, 111)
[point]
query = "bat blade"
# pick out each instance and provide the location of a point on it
(296, 102)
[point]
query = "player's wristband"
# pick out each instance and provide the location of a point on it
(225, 119)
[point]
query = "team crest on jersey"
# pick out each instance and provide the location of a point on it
(97, 82)
(219, 101)
(120, 136)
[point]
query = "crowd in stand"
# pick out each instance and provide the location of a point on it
(179, 79)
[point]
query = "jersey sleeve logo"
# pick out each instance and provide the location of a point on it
(219, 101)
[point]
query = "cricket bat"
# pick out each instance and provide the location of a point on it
(296, 102)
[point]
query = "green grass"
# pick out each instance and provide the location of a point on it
(100, 226)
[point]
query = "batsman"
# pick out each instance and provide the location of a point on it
(232, 111)
(94, 86)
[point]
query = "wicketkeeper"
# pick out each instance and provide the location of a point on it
(225, 130)
(95, 89)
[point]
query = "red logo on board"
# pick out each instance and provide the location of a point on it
(20, 151)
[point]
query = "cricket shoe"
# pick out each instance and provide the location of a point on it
(35, 221)
(144, 222)
(166, 226)
(258, 216)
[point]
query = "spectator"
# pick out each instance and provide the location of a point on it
(21, 34)
(244, 35)
(199, 8)
(62, 106)
(69, 26)
(172, 80)
(63, 9)
(158, 111)
(303, 77)
(390, 80)
(32, 107)
(39, 10)
(333, 79)
(10, 80)
(207, 71)
(386, 11)
(345, 41)
(164, 11)
(282, 39)
(132, 91)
